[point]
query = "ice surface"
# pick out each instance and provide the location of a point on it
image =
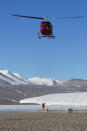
(74, 99)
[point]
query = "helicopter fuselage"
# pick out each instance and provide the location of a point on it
(46, 29)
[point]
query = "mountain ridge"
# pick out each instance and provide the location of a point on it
(17, 79)
(11, 93)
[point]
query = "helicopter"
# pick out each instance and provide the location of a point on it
(46, 28)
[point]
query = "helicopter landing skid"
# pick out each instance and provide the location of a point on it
(48, 36)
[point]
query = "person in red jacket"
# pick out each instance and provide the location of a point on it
(43, 106)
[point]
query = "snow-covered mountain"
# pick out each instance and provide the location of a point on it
(21, 77)
(16, 79)
(14, 87)
(6, 79)
(44, 81)
(73, 99)
(12, 78)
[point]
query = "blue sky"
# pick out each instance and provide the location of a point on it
(21, 51)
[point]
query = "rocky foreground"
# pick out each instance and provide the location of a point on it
(44, 121)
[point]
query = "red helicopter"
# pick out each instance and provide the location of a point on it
(46, 28)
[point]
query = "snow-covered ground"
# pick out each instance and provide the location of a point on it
(73, 99)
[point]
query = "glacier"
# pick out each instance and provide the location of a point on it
(66, 99)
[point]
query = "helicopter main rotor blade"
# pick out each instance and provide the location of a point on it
(49, 18)
(71, 17)
(28, 16)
